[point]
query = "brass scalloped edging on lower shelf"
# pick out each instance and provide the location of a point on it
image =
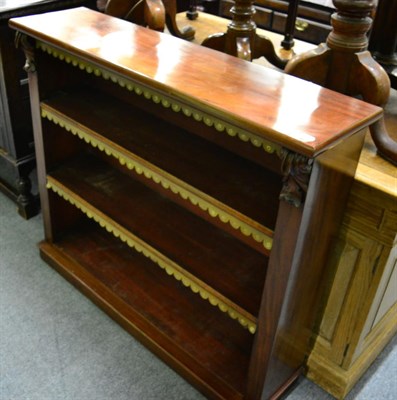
(167, 181)
(165, 101)
(171, 268)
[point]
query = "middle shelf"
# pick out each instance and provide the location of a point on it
(229, 189)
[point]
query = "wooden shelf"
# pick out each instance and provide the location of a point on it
(229, 188)
(170, 319)
(209, 261)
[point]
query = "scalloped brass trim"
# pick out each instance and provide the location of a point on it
(187, 192)
(165, 101)
(170, 267)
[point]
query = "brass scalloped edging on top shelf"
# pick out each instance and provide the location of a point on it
(165, 101)
(170, 267)
(167, 181)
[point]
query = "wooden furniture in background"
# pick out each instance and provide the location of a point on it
(17, 159)
(312, 23)
(344, 64)
(241, 38)
(383, 39)
(208, 24)
(288, 41)
(361, 312)
(203, 250)
(153, 14)
(360, 315)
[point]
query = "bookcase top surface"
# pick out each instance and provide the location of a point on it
(294, 113)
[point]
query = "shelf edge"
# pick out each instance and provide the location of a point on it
(213, 207)
(197, 286)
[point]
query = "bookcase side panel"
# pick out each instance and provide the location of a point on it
(329, 186)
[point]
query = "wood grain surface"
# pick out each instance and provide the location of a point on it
(299, 115)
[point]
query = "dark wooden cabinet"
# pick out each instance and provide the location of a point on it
(17, 158)
(312, 24)
(182, 195)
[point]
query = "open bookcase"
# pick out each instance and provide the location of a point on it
(185, 197)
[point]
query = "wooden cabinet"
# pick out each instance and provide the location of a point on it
(312, 24)
(17, 158)
(361, 310)
(184, 197)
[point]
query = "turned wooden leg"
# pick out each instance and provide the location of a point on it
(288, 41)
(192, 12)
(28, 204)
(187, 32)
(241, 39)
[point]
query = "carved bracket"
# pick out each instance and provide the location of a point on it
(296, 170)
(22, 41)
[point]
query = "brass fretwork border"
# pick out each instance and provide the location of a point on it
(171, 268)
(160, 98)
(199, 199)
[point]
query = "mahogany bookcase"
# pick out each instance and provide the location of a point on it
(187, 195)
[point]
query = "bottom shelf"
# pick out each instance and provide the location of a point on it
(203, 344)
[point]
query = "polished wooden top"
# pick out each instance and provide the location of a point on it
(286, 110)
(372, 171)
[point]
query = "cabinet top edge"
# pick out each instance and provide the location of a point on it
(294, 113)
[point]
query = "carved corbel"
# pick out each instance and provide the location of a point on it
(296, 169)
(22, 41)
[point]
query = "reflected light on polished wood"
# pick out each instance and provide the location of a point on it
(263, 87)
